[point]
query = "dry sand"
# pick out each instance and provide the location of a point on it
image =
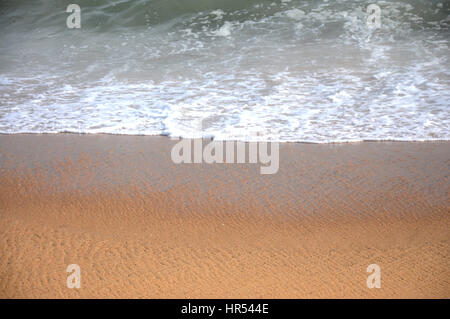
(140, 226)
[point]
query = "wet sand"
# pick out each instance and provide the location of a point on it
(139, 225)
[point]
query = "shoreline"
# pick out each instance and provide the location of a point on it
(437, 140)
(141, 226)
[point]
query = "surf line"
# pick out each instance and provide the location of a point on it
(213, 152)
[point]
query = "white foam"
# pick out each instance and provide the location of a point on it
(296, 14)
(224, 30)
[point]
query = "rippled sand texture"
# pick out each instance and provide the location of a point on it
(140, 226)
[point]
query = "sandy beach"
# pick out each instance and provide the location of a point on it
(140, 226)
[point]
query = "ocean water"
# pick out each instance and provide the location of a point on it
(279, 70)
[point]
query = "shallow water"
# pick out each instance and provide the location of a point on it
(244, 70)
